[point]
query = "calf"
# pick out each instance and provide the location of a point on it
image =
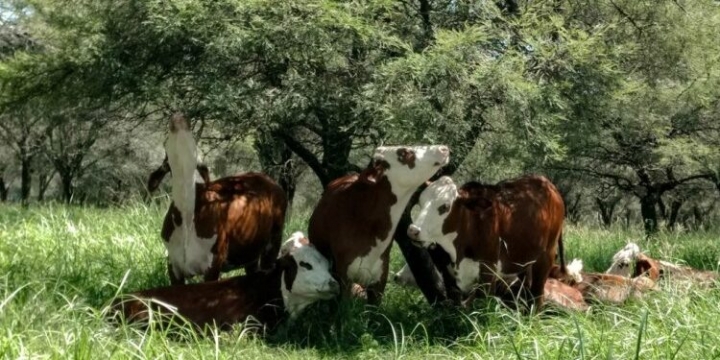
(512, 228)
(556, 292)
(354, 221)
(300, 278)
(631, 262)
(225, 224)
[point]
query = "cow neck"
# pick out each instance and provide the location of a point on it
(269, 299)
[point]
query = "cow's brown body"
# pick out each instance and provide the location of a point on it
(224, 302)
(516, 225)
(245, 214)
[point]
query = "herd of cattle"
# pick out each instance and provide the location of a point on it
(500, 239)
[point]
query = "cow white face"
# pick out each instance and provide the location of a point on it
(306, 277)
(624, 260)
(409, 166)
(436, 202)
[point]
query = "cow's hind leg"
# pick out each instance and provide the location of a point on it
(539, 274)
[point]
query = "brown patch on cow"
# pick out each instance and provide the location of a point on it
(178, 122)
(225, 302)
(406, 157)
(564, 296)
(347, 221)
(612, 288)
(516, 222)
(647, 266)
(291, 269)
(246, 212)
(374, 172)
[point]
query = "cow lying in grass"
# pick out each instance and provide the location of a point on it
(301, 277)
(631, 262)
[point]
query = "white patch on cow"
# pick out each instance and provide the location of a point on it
(623, 260)
(367, 270)
(427, 227)
(313, 280)
(189, 255)
(574, 270)
(467, 274)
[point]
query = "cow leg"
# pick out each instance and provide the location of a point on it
(269, 255)
(375, 291)
(221, 251)
(539, 274)
(174, 280)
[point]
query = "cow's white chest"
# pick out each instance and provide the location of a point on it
(367, 270)
(467, 274)
(192, 257)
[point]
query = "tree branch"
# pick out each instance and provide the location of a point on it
(305, 154)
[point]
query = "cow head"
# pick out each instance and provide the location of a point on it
(624, 260)
(436, 203)
(306, 275)
(406, 166)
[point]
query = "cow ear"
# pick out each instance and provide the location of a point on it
(157, 176)
(373, 172)
(473, 202)
(644, 266)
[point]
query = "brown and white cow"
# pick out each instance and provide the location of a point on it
(631, 262)
(512, 228)
(354, 221)
(301, 277)
(556, 291)
(225, 224)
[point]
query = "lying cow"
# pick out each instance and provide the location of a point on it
(513, 228)
(631, 262)
(556, 292)
(300, 278)
(232, 222)
(354, 221)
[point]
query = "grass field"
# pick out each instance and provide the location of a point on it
(60, 265)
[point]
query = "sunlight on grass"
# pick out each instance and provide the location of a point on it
(60, 266)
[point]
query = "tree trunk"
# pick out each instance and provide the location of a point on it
(674, 212)
(648, 210)
(607, 210)
(68, 191)
(3, 190)
(287, 178)
(25, 178)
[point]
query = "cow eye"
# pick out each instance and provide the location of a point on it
(443, 209)
(622, 265)
(306, 265)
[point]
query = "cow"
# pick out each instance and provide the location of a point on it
(301, 277)
(511, 228)
(228, 223)
(354, 221)
(631, 262)
(556, 291)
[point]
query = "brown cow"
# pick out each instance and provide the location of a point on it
(301, 277)
(233, 222)
(631, 262)
(514, 227)
(354, 221)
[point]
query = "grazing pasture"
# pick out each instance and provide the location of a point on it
(60, 265)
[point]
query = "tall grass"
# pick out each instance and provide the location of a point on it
(60, 266)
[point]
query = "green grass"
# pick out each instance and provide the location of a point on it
(59, 266)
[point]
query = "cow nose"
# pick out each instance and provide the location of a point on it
(413, 232)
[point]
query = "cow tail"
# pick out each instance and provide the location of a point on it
(561, 250)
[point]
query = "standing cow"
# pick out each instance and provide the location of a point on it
(492, 231)
(354, 221)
